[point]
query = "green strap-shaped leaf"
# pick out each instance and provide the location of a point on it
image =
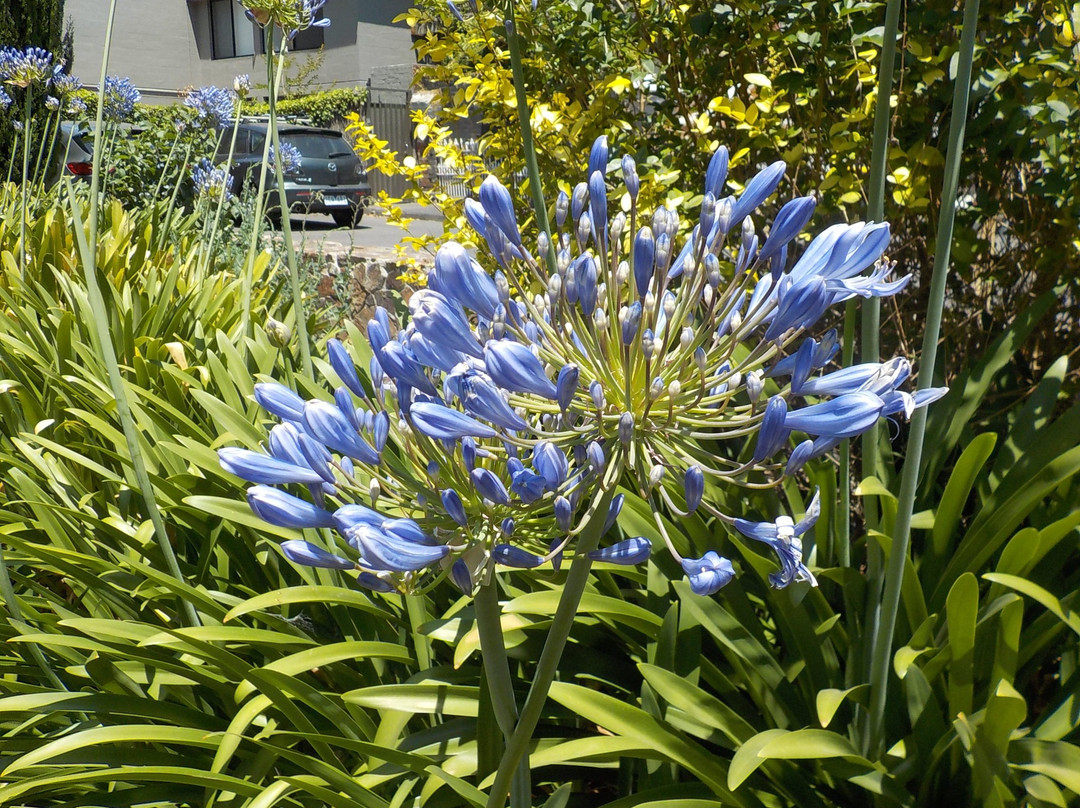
(962, 612)
(307, 594)
(418, 698)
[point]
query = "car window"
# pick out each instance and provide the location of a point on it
(321, 147)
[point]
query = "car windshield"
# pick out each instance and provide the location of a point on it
(318, 146)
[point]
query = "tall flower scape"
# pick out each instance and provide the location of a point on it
(493, 426)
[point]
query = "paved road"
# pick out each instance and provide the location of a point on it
(373, 231)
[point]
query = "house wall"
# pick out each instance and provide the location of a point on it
(164, 45)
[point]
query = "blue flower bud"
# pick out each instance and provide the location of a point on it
(550, 463)
(754, 386)
(259, 468)
(316, 457)
(799, 305)
(349, 516)
(433, 353)
(643, 256)
(475, 215)
(377, 375)
(344, 367)
(380, 430)
(407, 530)
(461, 279)
(757, 191)
(344, 401)
(510, 556)
(284, 444)
(460, 575)
(708, 574)
(562, 207)
(595, 454)
(480, 397)
(513, 366)
(326, 424)
(596, 392)
(708, 215)
(627, 552)
(403, 369)
(499, 206)
(717, 172)
(468, 453)
(614, 509)
(374, 582)
(789, 222)
(774, 431)
(443, 423)
(380, 551)
(630, 176)
(694, 486)
(631, 322)
(626, 428)
(799, 455)
(577, 201)
(489, 486)
(598, 156)
(306, 553)
(507, 527)
(843, 417)
(565, 385)
(284, 510)
(598, 207)
(586, 286)
(663, 252)
(443, 322)
(454, 507)
(279, 400)
(556, 559)
(564, 514)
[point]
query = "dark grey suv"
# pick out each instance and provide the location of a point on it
(330, 178)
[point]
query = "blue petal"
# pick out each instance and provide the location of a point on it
(511, 556)
(513, 366)
(843, 417)
(628, 552)
(327, 424)
(279, 400)
(308, 554)
(259, 468)
(443, 423)
(344, 367)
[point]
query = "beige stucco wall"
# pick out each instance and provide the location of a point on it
(163, 45)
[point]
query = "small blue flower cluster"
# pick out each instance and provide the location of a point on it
(66, 84)
(5, 99)
(120, 99)
(210, 181)
(213, 106)
(26, 67)
(495, 422)
(291, 159)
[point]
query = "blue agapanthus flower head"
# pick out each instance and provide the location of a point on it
(65, 84)
(26, 67)
(210, 180)
(120, 98)
(291, 158)
(213, 106)
(665, 355)
(5, 99)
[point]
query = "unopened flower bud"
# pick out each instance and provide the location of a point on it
(622, 274)
(669, 306)
(694, 487)
(618, 224)
(686, 337)
(674, 389)
(656, 474)
(659, 220)
(595, 455)
(507, 527)
(663, 251)
(543, 244)
(600, 320)
(564, 513)
(626, 428)
(596, 390)
(708, 214)
(562, 206)
(648, 344)
(630, 176)
(374, 491)
(584, 228)
(754, 385)
(280, 334)
(577, 201)
(656, 389)
(699, 359)
(712, 270)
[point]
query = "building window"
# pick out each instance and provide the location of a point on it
(310, 38)
(232, 33)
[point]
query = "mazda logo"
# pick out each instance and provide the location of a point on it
(331, 167)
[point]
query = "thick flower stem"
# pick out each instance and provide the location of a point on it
(527, 144)
(25, 182)
(286, 227)
(500, 684)
(883, 638)
(559, 632)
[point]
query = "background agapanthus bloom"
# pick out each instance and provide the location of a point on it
(26, 67)
(120, 98)
(213, 106)
(513, 403)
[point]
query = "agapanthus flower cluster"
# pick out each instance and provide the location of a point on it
(211, 181)
(120, 98)
(213, 106)
(242, 85)
(493, 426)
(5, 99)
(25, 67)
(291, 158)
(291, 16)
(65, 84)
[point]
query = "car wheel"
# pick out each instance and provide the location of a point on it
(348, 218)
